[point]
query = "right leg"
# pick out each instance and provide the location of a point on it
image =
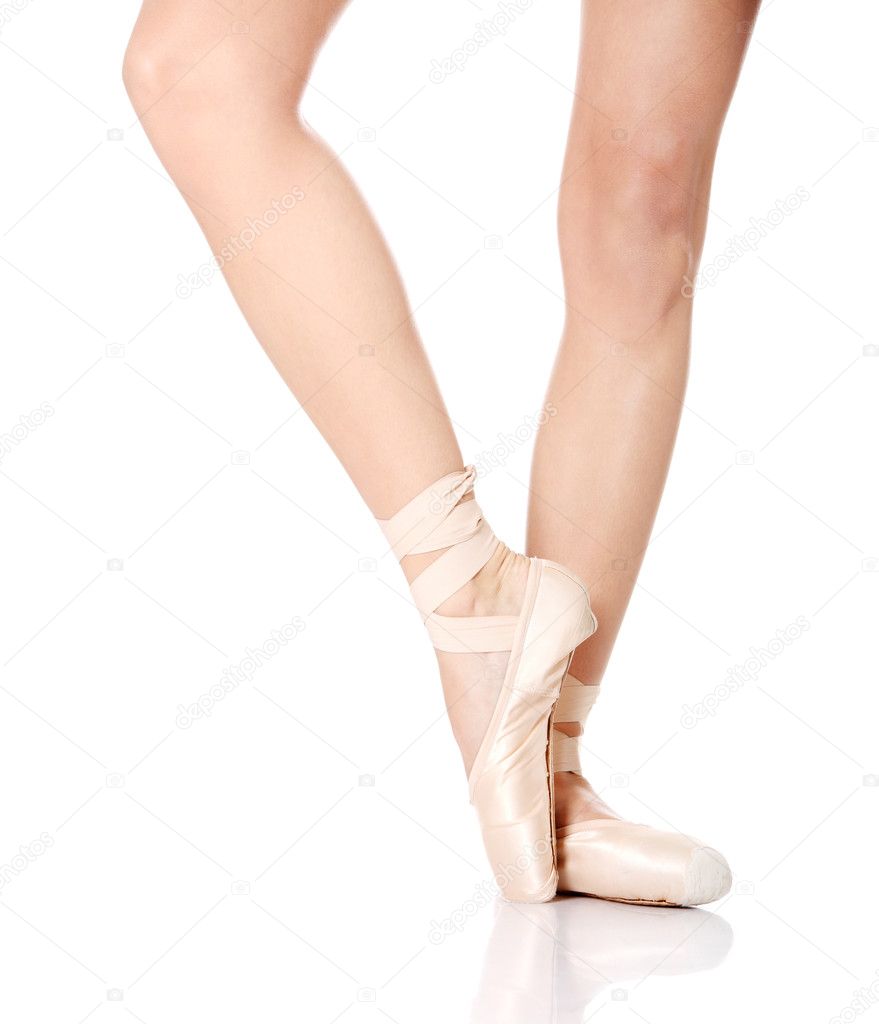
(318, 287)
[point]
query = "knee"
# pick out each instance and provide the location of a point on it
(174, 70)
(152, 65)
(654, 192)
(635, 207)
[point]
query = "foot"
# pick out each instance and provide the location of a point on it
(471, 594)
(576, 801)
(600, 854)
(472, 682)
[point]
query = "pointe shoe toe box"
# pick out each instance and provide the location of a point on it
(707, 877)
(619, 860)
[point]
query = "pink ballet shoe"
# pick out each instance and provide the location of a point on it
(620, 860)
(511, 781)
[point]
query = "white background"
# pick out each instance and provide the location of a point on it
(239, 869)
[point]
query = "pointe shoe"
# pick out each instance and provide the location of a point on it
(621, 860)
(512, 778)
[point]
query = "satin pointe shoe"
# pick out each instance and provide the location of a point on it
(621, 860)
(511, 780)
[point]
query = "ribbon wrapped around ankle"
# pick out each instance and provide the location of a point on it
(575, 703)
(439, 520)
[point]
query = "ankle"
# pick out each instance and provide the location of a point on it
(576, 800)
(414, 565)
(574, 729)
(497, 589)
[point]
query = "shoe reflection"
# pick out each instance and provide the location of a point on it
(545, 963)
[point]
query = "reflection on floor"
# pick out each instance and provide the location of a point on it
(548, 962)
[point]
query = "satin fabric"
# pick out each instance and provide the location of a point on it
(511, 781)
(621, 860)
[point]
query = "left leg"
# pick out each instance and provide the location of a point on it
(654, 84)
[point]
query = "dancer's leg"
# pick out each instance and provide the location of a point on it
(654, 84)
(318, 286)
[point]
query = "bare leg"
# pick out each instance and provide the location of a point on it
(654, 83)
(318, 285)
